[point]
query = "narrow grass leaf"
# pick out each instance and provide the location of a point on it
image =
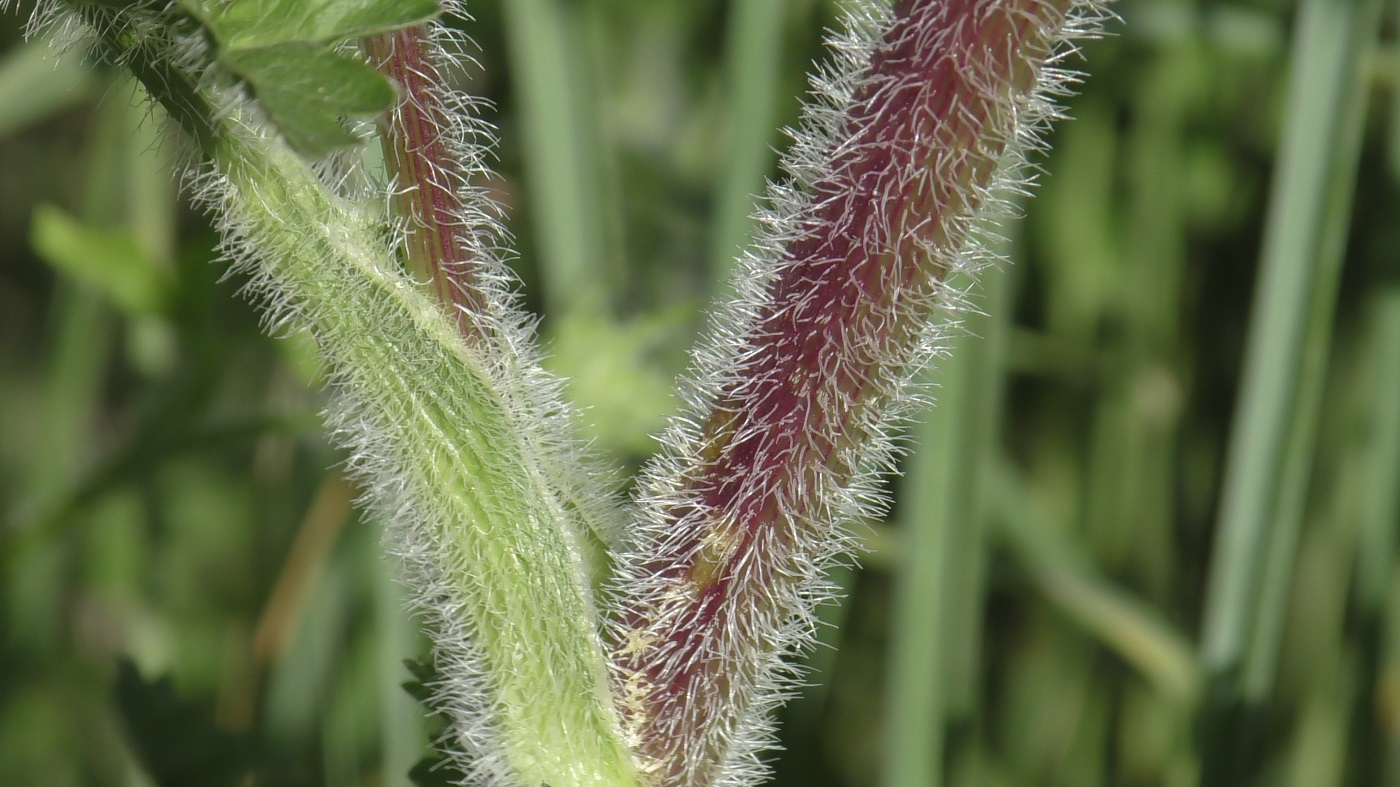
(753, 62)
(1273, 433)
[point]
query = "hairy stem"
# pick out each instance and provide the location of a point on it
(425, 176)
(499, 567)
(450, 438)
(738, 515)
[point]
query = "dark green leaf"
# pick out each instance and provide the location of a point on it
(436, 769)
(286, 51)
(424, 676)
(306, 88)
(254, 24)
(177, 741)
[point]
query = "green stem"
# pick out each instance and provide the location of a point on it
(445, 448)
(934, 511)
(1381, 503)
(561, 169)
(938, 589)
(504, 552)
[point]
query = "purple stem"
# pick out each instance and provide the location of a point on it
(812, 379)
(423, 166)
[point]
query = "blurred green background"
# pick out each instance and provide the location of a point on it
(1147, 538)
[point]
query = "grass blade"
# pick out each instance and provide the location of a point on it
(1269, 458)
(560, 169)
(754, 48)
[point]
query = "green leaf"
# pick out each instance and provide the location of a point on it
(177, 741)
(254, 24)
(108, 261)
(305, 88)
(436, 769)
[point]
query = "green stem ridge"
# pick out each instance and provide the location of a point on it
(915, 134)
(464, 445)
(461, 446)
(491, 552)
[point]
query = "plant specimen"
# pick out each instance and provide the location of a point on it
(463, 444)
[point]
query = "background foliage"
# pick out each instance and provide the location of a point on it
(186, 592)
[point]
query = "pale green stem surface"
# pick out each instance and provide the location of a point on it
(502, 544)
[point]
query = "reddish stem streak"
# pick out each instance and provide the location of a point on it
(924, 135)
(423, 167)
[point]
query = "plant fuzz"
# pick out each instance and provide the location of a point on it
(463, 443)
(913, 135)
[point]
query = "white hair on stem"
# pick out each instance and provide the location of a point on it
(470, 276)
(462, 444)
(914, 137)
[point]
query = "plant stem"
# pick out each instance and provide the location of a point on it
(495, 553)
(426, 176)
(743, 512)
(753, 60)
(1382, 496)
(452, 450)
(1291, 322)
(938, 587)
(561, 165)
